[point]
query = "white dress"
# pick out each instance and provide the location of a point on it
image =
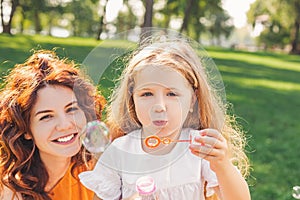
(178, 174)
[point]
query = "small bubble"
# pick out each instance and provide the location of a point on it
(94, 136)
(296, 192)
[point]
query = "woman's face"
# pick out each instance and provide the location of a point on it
(163, 99)
(56, 121)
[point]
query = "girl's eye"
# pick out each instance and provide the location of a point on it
(45, 117)
(172, 94)
(146, 94)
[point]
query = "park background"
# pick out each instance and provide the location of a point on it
(259, 62)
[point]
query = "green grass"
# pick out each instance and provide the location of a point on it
(264, 89)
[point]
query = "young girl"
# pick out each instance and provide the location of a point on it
(164, 92)
(44, 105)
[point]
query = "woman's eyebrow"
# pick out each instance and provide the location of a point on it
(42, 112)
(71, 103)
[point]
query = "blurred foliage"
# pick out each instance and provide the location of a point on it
(281, 22)
(83, 17)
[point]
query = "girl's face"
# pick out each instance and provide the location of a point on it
(56, 119)
(163, 99)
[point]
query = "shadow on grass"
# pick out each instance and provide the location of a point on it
(234, 68)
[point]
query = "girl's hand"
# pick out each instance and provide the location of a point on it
(210, 145)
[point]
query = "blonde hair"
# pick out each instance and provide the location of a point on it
(209, 110)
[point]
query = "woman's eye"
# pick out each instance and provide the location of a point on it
(146, 94)
(45, 117)
(72, 109)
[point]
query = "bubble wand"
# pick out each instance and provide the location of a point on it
(153, 141)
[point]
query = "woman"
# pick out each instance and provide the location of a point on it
(44, 105)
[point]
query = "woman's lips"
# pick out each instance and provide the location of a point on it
(160, 122)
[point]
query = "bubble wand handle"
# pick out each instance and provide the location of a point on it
(189, 141)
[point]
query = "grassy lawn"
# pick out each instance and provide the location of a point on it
(264, 89)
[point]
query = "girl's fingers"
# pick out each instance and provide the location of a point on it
(204, 153)
(204, 149)
(208, 144)
(209, 137)
(212, 133)
(208, 141)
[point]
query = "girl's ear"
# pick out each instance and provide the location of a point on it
(193, 101)
(27, 136)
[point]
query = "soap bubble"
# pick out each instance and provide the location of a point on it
(95, 137)
(296, 192)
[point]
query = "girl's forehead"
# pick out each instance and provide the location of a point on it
(160, 75)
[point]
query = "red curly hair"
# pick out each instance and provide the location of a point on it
(21, 168)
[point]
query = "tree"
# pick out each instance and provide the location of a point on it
(189, 6)
(4, 5)
(148, 17)
(101, 22)
(33, 9)
(148, 14)
(296, 27)
(126, 20)
(281, 21)
(84, 17)
(199, 16)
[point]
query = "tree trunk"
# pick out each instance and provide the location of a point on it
(37, 21)
(22, 22)
(101, 24)
(148, 14)
(186, 17)
(295, 42)
(146, 29)
(295, 33)
(7, 26)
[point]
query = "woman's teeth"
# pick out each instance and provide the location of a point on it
(66, 139)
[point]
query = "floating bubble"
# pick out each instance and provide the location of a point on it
(95, 137)
(296, 192)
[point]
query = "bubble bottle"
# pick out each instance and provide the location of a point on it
(146, 188)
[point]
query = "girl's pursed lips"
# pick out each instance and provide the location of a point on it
(159, 122)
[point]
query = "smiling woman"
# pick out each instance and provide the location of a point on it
(44, 105)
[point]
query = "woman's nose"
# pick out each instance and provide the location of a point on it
(64, 123)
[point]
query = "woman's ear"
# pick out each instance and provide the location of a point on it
(27, 136)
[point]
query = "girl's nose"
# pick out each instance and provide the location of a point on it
(160, 104)
(159, 108)
(64, 123)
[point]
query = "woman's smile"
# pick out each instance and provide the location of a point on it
(68, 139)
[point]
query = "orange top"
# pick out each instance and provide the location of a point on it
(70, 188)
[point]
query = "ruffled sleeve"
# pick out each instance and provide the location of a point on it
(210, 177)
(105, 182)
